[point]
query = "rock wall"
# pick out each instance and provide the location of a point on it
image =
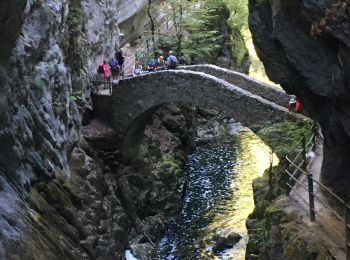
(304, 46)
(46, 58)
(132, 19)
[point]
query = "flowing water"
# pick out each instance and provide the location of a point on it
(218, 199)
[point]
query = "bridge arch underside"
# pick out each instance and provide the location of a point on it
(135, 100)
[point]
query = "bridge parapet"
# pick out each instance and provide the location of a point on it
(276, 95)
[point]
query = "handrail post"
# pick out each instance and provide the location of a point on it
(309, 181)
(303, 143)
(314, 131)
(311, 196)
(286, 176)
(347, 230)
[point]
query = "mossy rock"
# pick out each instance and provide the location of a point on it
(283, 137)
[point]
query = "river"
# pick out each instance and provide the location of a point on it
(218, 199)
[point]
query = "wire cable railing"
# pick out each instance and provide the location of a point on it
(297, 167)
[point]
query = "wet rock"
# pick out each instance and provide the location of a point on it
(143, 251)
(171, 123)
(208, 130)
(207, 112)
(224, 242)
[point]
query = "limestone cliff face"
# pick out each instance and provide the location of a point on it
(132, 18)
(47, 50)
(305, 47)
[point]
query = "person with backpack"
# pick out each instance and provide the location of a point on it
(100, 70)
(120, 58)
(298, 106)
(292, 102)
(295, 104)
(115, 68)
(171, 61)
(103, 70)
(161, 64)
(137, 69)
(152, 65)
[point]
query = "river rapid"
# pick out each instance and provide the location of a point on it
(218, 199)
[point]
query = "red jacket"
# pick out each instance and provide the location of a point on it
(105, 71)
(298, 106)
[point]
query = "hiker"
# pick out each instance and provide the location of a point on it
(103, 70)
(295, 104)
(100, 70)
(161, 64)
(120, 58)
(152, 65)
(298, 106)
(291, 103)
(115, 68)
(171, 61)
(137, 69)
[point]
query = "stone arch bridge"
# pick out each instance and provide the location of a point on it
(134, 100)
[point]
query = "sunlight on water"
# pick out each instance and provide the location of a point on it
(253, 157)
(218, 200)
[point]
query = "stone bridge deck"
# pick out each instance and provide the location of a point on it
(135, 96)
(134, 100)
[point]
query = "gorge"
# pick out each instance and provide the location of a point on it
(65, 190)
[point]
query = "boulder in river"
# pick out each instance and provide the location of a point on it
(142, 251)
(225, 242)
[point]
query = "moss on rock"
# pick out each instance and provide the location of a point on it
(276, 229)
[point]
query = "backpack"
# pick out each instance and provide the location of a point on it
(173, 63)
(114, 65)
(100, 69)
(152, 66)
(137, 69)
(152, 63)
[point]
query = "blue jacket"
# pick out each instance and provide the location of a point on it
(171, 58)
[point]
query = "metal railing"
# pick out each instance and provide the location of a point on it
(296, 168)
(97, 81)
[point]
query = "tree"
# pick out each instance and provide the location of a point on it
(191, 35)
(196, 30)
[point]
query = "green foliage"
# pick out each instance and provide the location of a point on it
(193, 34)
(284, 137)
(239, 14)
(238, 23)
(75, 56)
(170, 170)
(171, 164)
(77, 97)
